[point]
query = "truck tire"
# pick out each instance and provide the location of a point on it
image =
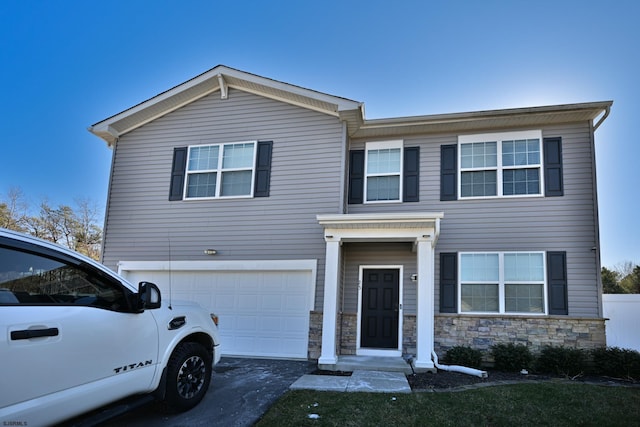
(188, 376)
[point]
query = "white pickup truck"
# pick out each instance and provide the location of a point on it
(74, 336)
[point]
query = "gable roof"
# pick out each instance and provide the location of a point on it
(221, 78)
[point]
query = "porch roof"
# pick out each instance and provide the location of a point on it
(393, 227)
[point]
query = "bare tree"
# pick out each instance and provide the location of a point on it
(88, 235)
(76, 229)
(13, 212)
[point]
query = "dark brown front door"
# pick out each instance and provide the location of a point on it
(380, 299)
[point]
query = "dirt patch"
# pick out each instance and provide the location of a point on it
(332, 373)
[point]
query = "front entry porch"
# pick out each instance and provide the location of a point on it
(421, 231)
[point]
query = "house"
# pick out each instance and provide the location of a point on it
(316, 233)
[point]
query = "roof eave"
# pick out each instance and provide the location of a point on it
(480, 120)
(219, 78)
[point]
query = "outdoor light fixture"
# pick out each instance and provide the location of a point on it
(414, 277)
(210, 252)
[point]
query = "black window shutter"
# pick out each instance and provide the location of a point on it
(263, 169)
(553, 185)
(356, 176)
(449, 282)
(448, 172)
(178, 169)
(557, 282)
(411, 184)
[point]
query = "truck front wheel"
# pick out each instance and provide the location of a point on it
(188, 376)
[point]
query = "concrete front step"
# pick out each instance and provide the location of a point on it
(360, 381)
(368, 363)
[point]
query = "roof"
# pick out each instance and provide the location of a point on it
(221, 78)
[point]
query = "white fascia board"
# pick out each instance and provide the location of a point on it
(335, 219)
(249, 265)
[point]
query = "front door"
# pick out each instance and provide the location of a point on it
(380, 308)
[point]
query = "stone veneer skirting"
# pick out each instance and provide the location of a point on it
(479, 332)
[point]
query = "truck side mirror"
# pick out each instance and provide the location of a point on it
(148, 296)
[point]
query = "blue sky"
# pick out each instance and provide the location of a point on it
(68, 64)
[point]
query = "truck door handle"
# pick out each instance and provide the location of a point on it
(33, 333)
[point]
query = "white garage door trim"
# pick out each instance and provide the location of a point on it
(245, 314)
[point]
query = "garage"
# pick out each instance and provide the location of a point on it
(263, 305)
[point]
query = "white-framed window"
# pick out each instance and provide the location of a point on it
(500, 164)
(383, 172)
(502, 282)
(220, 170)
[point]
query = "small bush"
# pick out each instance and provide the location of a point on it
(511, 357)
(569, 362)
(464, 356)
(617, 362)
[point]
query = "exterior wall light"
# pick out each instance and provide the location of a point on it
(210, 252)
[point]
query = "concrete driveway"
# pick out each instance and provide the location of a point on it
(241, 391)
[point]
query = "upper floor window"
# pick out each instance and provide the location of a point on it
(503, 164)
(383, 170)
(220, 170)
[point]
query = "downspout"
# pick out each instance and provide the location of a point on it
(607, 110)
(456, 368)
(343, 169)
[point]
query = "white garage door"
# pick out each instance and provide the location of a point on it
(262, 312)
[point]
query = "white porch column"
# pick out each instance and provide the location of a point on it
(330, 306)
(425, 304)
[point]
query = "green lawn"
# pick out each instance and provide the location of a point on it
(542, 404)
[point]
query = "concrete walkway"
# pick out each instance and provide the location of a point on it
(359, 381)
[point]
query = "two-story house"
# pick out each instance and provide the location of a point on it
(316, 233)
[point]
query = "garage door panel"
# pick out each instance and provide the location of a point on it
(262, 313)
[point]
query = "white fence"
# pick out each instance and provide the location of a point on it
(623, 326)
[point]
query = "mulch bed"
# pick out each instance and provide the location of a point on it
(448, 381)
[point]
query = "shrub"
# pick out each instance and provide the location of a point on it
(511, 357)
(569, 362)
(464, 356)
(617, 362)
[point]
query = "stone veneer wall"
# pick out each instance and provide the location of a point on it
(536, 332)
(479, 332)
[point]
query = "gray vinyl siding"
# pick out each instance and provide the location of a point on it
(142, 224)
(566, 223)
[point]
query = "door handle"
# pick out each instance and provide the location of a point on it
(34, 333)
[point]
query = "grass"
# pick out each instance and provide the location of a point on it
(550, 404)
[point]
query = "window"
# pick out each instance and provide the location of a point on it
(502, 282)
(28, 279)
(383, 169)
(506, 164)
(222, 170)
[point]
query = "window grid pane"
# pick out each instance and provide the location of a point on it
(201, 185)
(520, 181)
(522, 152)
(480, 298)
(203, 158)
(383, 161)
(524, 298)
(236, 183)
(478, 184)
(479, 155)
(237, 156)
(480, 267)
(383, 188)
(523, 267)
